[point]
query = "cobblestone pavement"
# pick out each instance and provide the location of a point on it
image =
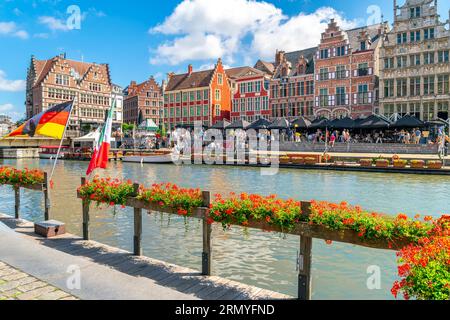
(16, 285)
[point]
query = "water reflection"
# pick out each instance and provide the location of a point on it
(263, 259)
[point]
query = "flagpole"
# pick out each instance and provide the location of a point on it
(62, 139)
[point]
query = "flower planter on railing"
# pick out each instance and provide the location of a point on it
(417, 164)
(35, 180)
(382, 163)
(400, 164)
(366, 162)
(310, 161)
(285, 160)
(298, 160)
(321, 220)
(436, 165)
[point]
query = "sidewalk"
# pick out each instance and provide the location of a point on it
(17, 285)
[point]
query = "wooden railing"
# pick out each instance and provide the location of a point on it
(306, 232)
(43, 187)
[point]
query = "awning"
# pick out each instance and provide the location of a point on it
(260, 124)
(240, 124)
(280, 124)
(221, 125)
(408, 122)
(301, 123)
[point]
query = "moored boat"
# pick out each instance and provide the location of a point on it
(50, 152)
(148, 157)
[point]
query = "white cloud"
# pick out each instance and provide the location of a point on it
(208, 29)
(6, 107)
(11, 29)
(11, 85)
(53, 23)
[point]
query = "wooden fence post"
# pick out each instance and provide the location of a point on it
(85, 214)
(46, 198)
(206, 255)
(304, 261)
(137, 249)
(17, 202)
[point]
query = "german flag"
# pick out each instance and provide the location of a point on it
(50, 123)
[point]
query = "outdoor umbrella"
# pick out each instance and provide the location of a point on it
(259, 124)
(344, 123)
(240, 124)
(320, 123)
(436, 123)
(280, 124)
(373, 122)
(221, 125)
(301, 123)
(408, 122)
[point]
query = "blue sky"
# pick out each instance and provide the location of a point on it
(143, 38)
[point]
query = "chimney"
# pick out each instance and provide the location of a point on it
(279, 57)
(395, 10)
(62, 55)
(133, 83)
(190, 69)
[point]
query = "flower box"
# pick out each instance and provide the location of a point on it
(263, 160)
(417, 164)
(310, 161)
(437, 165)
(297, 160)
(400, 163)
(382, 163)
(285, 160)
(365, 162)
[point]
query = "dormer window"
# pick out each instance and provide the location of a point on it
(363, 45)
(414, 12)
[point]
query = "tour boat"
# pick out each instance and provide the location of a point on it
(50, 152)
(147, 157)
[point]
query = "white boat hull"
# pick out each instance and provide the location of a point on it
(166, 158)
(50, 156)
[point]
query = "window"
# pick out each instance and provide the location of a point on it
(414, 110)
(309, 87)
(401, 61)
(185, 97)
(63, 80)
(323, 74)
(185, 112)
(428, 34)
(178, 112)
(388, 110)
(220, 79)
(191, 111)
(199, 95)
(257, 104)
(428, 111)
(274, 93)
(292, 89)
(192, 96)
(443, 56)
(205, 94)
(389, 63)
(428, 85)
(205, 110)
(323, 97)
(414, 60)
(443, 84)
(363, 94)
(363, 45)
(442, 109)
(429, 58)
(340, 96)
(389, 88)
(401, 88)
(324, 54)
(402, 38)
(363, 69)
(415, 36)
(341, 73)
(218, 110)
(301, 88)
(340, 51)
(249, 87)
(414, 86)
(258, 86)
(217, 96)
(414, 12)
(178, 97)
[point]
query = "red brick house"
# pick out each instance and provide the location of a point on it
(143, 101)
(346, 71)
(292, 85)
(203, 96)
(250, 94)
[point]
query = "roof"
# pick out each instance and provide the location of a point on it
(372, 32)
(239, 72)
(265, 66)
(293, 58)
(185, 81)
(43, 67)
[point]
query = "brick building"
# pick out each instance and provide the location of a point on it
(250, 94)
(292, 85)
(203, 96)
(414, 61)
(346, 71)
(143, 101)
(57, 80)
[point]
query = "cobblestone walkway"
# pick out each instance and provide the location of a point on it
(16, 285)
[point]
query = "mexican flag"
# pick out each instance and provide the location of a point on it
(102, 144)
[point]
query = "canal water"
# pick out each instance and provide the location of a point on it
(340, 271)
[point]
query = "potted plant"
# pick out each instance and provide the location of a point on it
(366, 162)
(310, 161)
(417, 164)
(400, 163)
(382, 163)
(433, 164)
